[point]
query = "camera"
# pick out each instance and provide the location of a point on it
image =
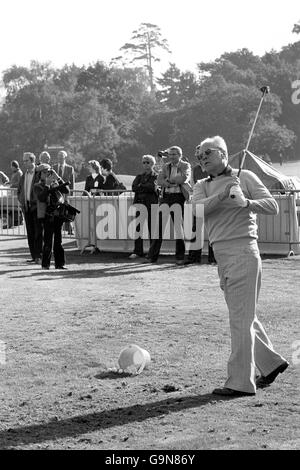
(162, 153)
(50, 172)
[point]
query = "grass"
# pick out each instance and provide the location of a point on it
(63, 332)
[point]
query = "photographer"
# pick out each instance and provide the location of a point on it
(173, 178)
(49, 192)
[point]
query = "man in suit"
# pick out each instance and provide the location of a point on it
(66, 173)
(173, 175)
(28, 202)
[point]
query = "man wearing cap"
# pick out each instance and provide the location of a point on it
(28, 202)
(232, 230)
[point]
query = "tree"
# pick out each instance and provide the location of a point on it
(176, 88)
(145, 40)
(296, 28)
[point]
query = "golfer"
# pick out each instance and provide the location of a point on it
(232, 230)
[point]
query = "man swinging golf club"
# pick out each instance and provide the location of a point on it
(232, 230)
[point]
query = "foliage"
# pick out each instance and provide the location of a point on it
(145, 42)
(109, 111)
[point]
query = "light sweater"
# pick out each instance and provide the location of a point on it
(224, 220)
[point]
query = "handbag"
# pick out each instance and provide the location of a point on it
(66, 212)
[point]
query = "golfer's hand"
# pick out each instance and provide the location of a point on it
(235, 181)
(237, 197)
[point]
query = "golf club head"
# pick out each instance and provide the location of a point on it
(265, 90)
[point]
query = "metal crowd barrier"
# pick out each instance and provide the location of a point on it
(277, 234)
(12, 222)
(281, 234)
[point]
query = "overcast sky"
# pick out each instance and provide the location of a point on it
(82, 32)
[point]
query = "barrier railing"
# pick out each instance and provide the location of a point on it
(277, 234)
(281, 233)
(12, 222)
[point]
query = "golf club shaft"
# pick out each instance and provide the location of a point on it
(250, 135)
(264, 90)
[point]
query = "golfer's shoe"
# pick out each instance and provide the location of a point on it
(263, 382)
(229, 392)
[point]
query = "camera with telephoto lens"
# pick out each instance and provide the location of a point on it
(50, 172)
(162, 153)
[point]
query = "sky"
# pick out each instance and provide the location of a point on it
(82, 32)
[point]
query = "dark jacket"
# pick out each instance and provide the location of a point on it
(90, 183)
(111, 183)
(68, 174)
(21, 193)
(49, 198)
(145, 188)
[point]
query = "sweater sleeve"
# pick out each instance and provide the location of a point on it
(199, 197)
(261, 200)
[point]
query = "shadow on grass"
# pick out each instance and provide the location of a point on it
(52, 274)
(92, 422)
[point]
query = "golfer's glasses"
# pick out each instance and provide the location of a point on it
(145, 162)
(207, 153)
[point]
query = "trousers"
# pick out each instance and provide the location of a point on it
(169, 200)
(34, 231)
(53, 239)
(240, 268)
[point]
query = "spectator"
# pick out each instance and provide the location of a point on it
(16, 174)
(173, 176)
(194, 256)
(49, 191)
(94, 180)
(111, 181)
(4, 179)
(145, 191)
(28, 202)
(67, 174)
(45, 157)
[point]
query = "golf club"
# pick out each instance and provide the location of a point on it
(265, 90)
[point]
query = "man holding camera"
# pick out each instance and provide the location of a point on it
(173, 175)
(67, 174)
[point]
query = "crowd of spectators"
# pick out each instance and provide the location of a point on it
(164, 182)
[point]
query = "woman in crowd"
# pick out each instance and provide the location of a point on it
(111, 181)
(146, 192)
(16, 174)
(49, 192)
(94, 180)
(45, 157)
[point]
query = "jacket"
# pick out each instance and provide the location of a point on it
(145, 188)
(68, 174)
(182, 179)
(21, 192)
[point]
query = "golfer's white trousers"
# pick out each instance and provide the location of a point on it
(239, 267)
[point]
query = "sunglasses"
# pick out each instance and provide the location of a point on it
(146, 162)
(207, 152)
